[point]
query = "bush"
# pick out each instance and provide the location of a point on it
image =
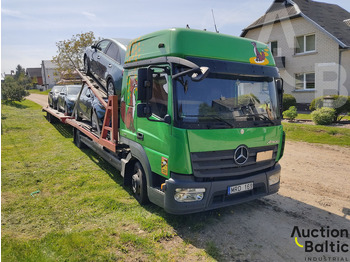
(291, 113)
(288, 101)
(323, 116)
(12, 91)
(341, 105)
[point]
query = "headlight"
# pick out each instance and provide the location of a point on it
(189, 194)
(274, 179)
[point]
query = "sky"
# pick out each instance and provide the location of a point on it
(31, 29)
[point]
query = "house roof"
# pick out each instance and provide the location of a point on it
(329, 18)
(34, 72)
(48, 64)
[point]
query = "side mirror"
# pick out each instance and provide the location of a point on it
(96, 47)
(202, 74)
(144, 84)
(280, 91)
(144, 110)
(167, 119)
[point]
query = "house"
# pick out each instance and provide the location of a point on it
(311, 44)
(35, 75)
(49, 73)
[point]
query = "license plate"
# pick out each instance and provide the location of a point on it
(240, 188)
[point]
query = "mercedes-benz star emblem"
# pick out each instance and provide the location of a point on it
(241, 155)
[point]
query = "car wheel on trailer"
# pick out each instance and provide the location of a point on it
(66, 109)
(94, 121)
(139, 184)
(110, 88)
(86, 66)
(76, 116)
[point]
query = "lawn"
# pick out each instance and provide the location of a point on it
(81, 211)
(36, 91)
(308, 117)
(317, 134)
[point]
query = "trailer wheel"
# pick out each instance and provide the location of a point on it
(50, 118)
(139, 184)
(77, 140)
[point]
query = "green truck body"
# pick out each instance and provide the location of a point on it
(200, 113)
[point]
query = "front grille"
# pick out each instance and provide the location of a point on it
(216, 164)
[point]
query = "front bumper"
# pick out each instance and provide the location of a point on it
(216, 195)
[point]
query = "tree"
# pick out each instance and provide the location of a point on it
(12, 90)
(70, 52)
(20, 72)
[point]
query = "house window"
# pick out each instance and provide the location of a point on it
(274, 48)
(305, 81)
(305, 44)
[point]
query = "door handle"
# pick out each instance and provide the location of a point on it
(109, 65)
(98, 57)
(139, 136)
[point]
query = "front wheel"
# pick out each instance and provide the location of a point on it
(139, 184)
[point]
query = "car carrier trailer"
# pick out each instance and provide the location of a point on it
(196, 124)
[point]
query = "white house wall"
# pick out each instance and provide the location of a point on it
(345, 73)
(324, 61)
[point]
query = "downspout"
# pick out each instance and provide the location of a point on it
(339, 67)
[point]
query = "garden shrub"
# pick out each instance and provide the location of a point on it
(341, 105)
(323, 116)
(288, 101)
(291, 113)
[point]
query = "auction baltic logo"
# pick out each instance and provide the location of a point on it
(323, 240)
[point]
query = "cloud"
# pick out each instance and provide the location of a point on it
(13, 13)
(89, 15)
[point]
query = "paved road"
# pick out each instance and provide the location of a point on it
(39, 99)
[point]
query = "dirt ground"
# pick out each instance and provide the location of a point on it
(314, 193)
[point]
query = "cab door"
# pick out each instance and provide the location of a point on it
(153, 133)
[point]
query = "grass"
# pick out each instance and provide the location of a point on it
(308, 117)
(83, 212)
(317, 134)
(37, 91)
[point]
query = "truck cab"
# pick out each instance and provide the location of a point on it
(201, 114)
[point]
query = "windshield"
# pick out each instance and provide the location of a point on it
(226, 101)
(73, 90)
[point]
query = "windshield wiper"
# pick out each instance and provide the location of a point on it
(262, 117)
(222, 120)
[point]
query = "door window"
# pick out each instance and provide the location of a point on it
(113, 52)
(159, 100)
(103, 45)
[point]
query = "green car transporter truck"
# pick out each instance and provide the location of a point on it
(199, 121)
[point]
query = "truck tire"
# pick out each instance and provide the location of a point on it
(77, 140)
(50, 118)
(139, 184)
